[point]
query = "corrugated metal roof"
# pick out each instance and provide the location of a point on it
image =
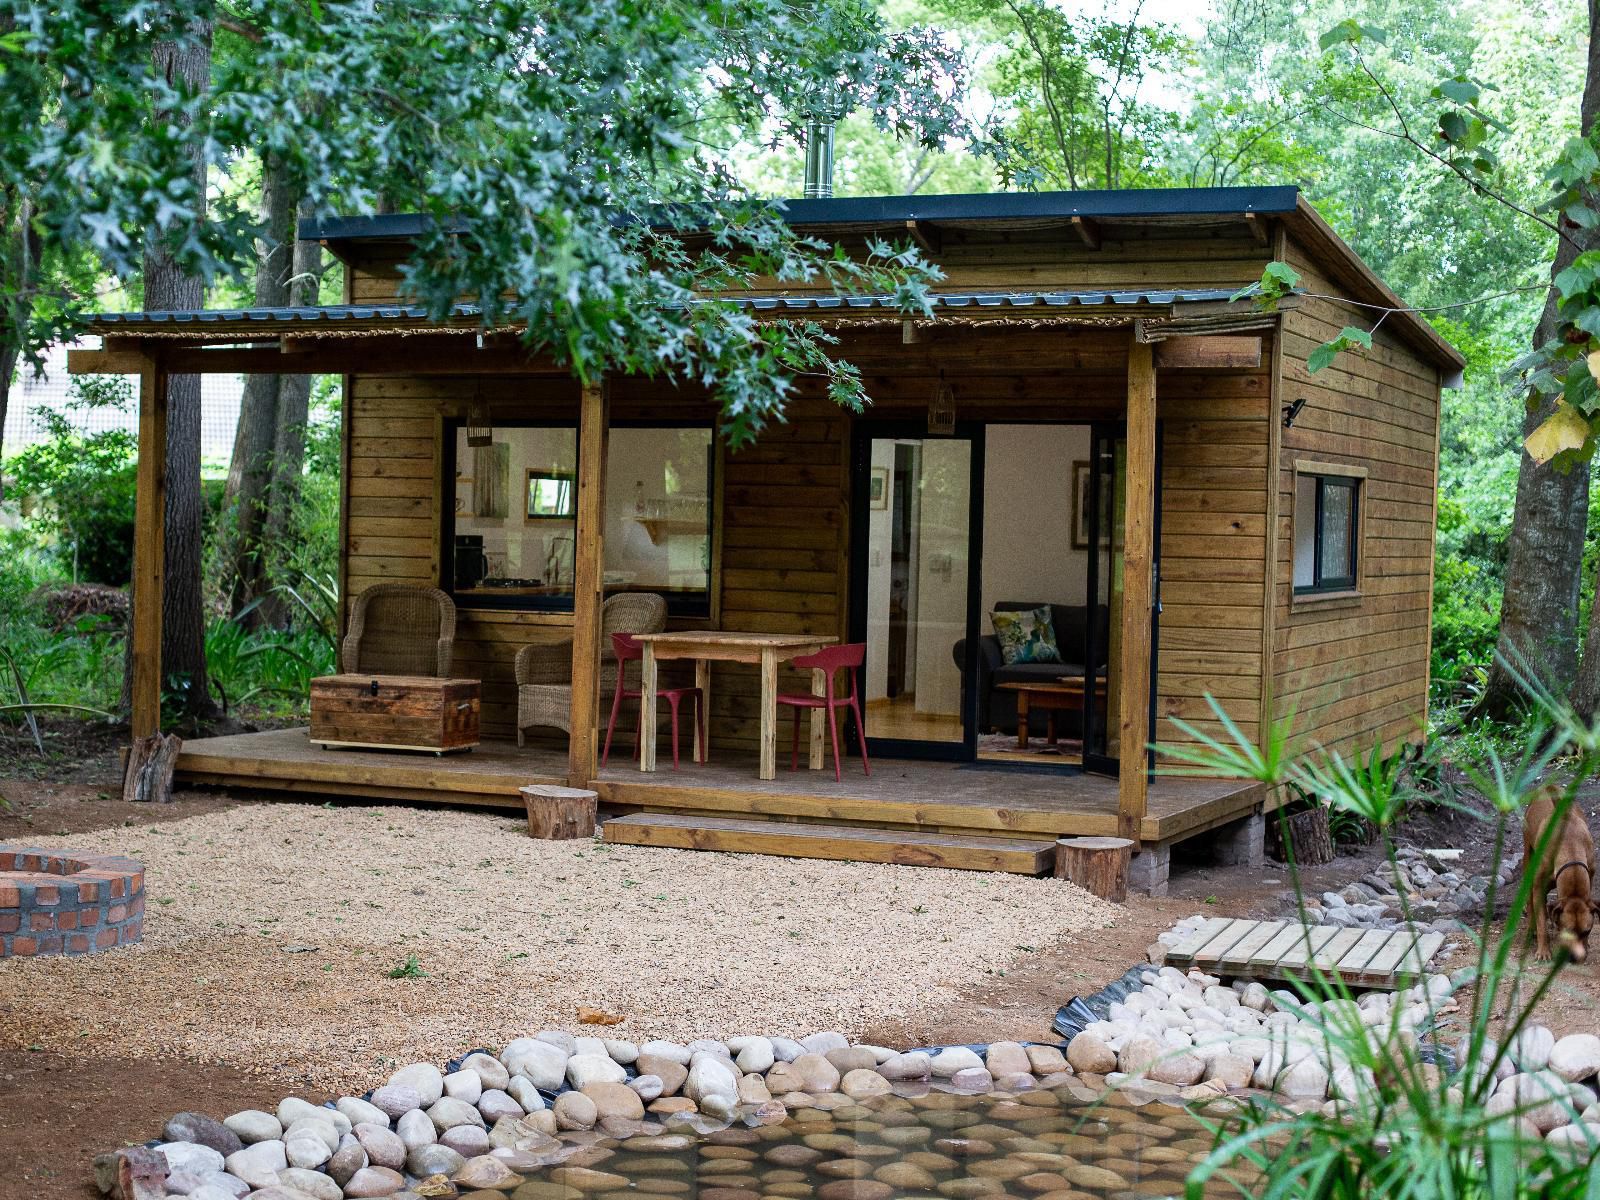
(336, 313)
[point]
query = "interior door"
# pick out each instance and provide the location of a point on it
(913, 596)
(1106, 505)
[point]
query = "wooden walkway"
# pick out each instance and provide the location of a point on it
(1367, 958)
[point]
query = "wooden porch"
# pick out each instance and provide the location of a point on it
(988, 816)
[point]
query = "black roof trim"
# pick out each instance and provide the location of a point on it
(896, 210)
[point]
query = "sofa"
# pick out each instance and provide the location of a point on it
(997, 707)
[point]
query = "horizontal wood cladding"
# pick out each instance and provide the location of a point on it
(1354, 669)
(1214, 457)
(1016, 259)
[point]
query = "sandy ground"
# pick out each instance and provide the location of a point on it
(271, 932)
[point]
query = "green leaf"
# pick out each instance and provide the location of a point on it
(1460, 89)
(1453, 127)
(1349, 337)
(1349, 32)
(1564, 430)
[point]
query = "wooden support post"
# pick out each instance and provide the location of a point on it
(1099, 864)
(149, 552)
(1138, 555)
(588, 564)
(559, 813)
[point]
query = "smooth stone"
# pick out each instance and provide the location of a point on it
(279, 1192)
(855, 1189)
(361, 1112)
(252, 1125)
(586, 1179)
(312, 1183)
(913, 1065)
(574, 1110)
(757, 1056)
(544, 1065)
(486, 1171)
(433, 1159)
(1007, 1058)
(293, 1108)
(711, 1076)
(463, 1085)
(259, 1163)
(448, 1112)
(558, 1038)
(521, 1090)
(491, 1072)
(670, 1071)
(972, 1079)
(494, 1105)
(212, 1182)
(220, 1191)
(416, 1129)
(1089, 1054)
(1046, 1060)
(202, 1131)
(349, 1158)
(469, 1141)
(395, 1100)
(306, 1148)
(624, 1052)
(615, 1100)
(863, 1082)
(955, 1058)
(191, 1156)
(584, 1069)
(1575, 1057)
(670, 1051)
(786, 1049)
(374, 1181)
(816, 1073)
(423, 1078)
(906, 1176)
(753, 1090)
(648, 1087)
(852, 1058)
(1230, 1070)
(315, 1126)
(821, 1043)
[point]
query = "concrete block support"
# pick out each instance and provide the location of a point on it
(1242, 843)
(1148, 871)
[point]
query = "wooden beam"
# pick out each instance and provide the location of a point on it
(444, 354)
(926, 236)
(588, 565)
(1088, 230)
(1258, 229)
(1214, 351)
(149, 551)
(1137, 590)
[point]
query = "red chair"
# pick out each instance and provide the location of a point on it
(829, 661)
(629, 649)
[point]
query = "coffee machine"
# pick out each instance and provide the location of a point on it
(471, 565)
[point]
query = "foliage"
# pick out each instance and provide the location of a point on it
(1401, 1125)
(83, 485)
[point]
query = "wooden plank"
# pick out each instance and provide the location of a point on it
(1137, 558)
(839, 843)
(1265, 960)
(1416, 960)
(1359, 955)
(1380, 969)
(1227, 937)
(1238, 958)
(1307, 941)
(1183, 952)
(1329, 954)
(588, 569)
(149, 552)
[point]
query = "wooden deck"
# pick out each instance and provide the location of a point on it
(938, 797)
(1364, 958)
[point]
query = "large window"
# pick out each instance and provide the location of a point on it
(1327, 529)
(514, 521)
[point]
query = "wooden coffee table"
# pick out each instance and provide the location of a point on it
(1064, 695)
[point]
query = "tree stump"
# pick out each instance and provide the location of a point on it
(559, 813)
(147, 775)
(1304, 835)
(1099, 864)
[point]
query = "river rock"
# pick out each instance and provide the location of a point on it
(310, 1183)
(1007, 1058)
(316, 1125)
(712, 1076)
(786, 1049)
(559, 1038)
(423, 1078)
(463, 1085)
(1137, 1054)
(1180, 1070)
(544, 1065)
(1530, 1049)
(495, 1104)
(347, 1159)
(305, 1147)
(574, 1110)
(469, 1141)
(252, 1125)
(521, 1090)
(395, 1100)
(755, 1055)
(615, 1100)
(383, 1146)
(360, 1112)
(1308, 1078)
(416, 1129)
(1046, 1060)
(852, 1058)
(374, 1181)
(671, 1051)
(448, 1112)
(203, 1131)
(1575, 1057)
(670, 1071)
(1230, 1070)
(433, 1159)
(952, 1059)
(190, 1156)
(914, 1064)
(815, 1072)
(258, 1164)
(485, 1171)
(753, 1090)
(821, 1043)
(584, 1069)
(491, 1072)
(1088, 1054)
(864, 1082)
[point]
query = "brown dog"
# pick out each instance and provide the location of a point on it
(1568, 866)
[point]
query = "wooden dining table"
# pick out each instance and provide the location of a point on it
(704, 647)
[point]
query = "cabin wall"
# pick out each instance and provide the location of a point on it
(1355, 669)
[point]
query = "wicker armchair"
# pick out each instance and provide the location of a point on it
(400, 629)
(544, 672)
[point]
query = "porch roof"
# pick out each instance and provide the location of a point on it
(378, 318)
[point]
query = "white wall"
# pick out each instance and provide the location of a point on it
(879, 528)
(942, 574)
(1027, 516)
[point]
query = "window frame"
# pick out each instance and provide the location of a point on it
(700, 606)
(1348, 478)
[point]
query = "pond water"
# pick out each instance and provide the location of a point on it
(1046, 1143)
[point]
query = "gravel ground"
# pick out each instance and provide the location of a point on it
(271, 932)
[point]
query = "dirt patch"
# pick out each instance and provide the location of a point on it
(60, 1110)
(35, 812)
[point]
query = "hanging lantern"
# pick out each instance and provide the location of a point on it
(480, 427)
(942, 409)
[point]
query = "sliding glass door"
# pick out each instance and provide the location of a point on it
(913, 603)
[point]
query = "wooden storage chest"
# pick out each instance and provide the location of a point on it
(401, 712)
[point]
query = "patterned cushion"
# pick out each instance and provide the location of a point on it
(1026, 637)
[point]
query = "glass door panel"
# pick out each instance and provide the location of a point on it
(917, 572)
(1107, 501)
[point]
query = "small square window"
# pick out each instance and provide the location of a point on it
(1327, 518)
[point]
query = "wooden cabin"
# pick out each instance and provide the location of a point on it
(1088, 423)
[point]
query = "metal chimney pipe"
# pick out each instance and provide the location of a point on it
(819, 160)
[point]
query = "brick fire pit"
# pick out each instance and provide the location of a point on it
(66, 902)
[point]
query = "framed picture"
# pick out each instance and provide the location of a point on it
(878, 489)
(1081, 476)
(551, 496)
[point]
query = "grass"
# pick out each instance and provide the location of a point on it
(410, 969)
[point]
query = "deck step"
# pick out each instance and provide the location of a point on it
(684, 831)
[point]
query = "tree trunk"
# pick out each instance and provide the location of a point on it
(166, 286)
(251, 472)
(1539, 607)
(1586, 688)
